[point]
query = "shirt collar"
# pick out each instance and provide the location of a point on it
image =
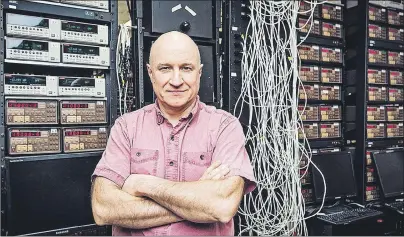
(194, 112)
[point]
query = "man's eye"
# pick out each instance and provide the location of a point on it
(164, 68)
(187, 68)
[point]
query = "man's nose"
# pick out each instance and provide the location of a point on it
(176, 79)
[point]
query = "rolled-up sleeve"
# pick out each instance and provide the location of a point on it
(115, 161)
(230, 149)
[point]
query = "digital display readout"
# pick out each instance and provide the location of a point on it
(81, 106)
(79, 49)
(79, 27)
(32, 45)
(25, 80)
(25, 134)
(77, 133)
(22, 105)
(76, 82)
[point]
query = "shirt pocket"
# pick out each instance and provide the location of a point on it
(144, 161)
(195, 164)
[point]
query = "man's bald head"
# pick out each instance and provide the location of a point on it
(174, 42)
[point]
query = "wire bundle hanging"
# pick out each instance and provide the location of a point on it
(124, 72)
(270, 87)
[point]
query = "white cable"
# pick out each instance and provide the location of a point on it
(270, 89)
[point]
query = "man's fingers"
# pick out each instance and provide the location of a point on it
(222, 172)
(207, 172)
(218, 172)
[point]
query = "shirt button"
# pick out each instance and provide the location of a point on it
(138, 153)
(172, 137)
(171, 163)
(202, 157)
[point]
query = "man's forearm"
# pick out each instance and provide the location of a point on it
(202, 201)
(112, 206)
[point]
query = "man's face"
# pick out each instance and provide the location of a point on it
(175, 72)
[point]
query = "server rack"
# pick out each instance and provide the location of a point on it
(321, 77)
(372, 55)
(66, 11)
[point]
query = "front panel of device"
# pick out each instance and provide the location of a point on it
(84, 139)
(34, 50)
(82, 86)
(83, 112)
(84, 54)
(19, 84)
(32, 26)
(84, 32)
(20, 112)
(25, 141)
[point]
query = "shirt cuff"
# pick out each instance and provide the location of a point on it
(109, 174)
(250, 183)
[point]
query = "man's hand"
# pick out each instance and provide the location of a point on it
(216, 171)
(133, 182)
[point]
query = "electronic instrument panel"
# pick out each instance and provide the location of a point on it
(84, 54)
(310, 131)
(396, 58)
(305, 9)
(377, 93)
(309, 92)
(330, 92)
(83, 112)
(396, 77)
(395, 17)
(32, 26)
(377, 56)
(330, 112)
(34, 50)
(333, 12)
(377, 76)
(375, 130)
(395, 113)
(84, 32)
(19, 84)
(331, 130)
(395, 130)
(309, 52)
(309, 113)
(84, 139)
(377, 14)
(331, 55)
(396, 34)
(331, 75)
(376, 113)
(103, 4)
(331, 29)
(309, 73)
(377, 32)
(305, 25)
(396, 94)
(19, 112)
(25, 141)
(81, 86)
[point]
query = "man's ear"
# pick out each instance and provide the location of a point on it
(149, 71)
(200, 69)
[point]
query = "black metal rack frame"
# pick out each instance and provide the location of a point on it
(357, 60)
(66, 11)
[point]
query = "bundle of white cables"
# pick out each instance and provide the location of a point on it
(270, 87)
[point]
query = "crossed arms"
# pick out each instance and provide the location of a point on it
(146, 201)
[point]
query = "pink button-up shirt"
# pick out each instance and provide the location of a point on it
(144, 142)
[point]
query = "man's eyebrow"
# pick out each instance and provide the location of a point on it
(163, 64)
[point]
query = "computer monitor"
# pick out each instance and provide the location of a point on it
(49, 194)
(390, 169)
(337, 168)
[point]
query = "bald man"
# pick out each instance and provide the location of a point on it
(178, 166)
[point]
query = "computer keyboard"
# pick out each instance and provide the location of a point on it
(398, 206)
(348, 216)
